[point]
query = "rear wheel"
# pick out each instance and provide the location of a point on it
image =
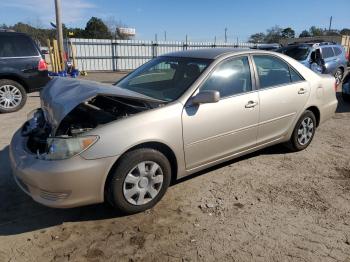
(339, 74)
(304, 131)
(13, 96)
(140, 180)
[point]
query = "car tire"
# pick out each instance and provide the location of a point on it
(339, 75)
(135, 183)
(303, 132)
(7, 87)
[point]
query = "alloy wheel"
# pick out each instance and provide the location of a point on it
(305, 131)
(338, 76)
(143, 183)
(10, 96)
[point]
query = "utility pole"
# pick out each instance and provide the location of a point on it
(225, 34)
(59, 30)
(330, 23)
(165, 36)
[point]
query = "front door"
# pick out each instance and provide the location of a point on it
(218, 130)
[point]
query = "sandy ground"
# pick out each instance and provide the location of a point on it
(268, 206)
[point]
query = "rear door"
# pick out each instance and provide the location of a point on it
(218, 130)
(330, 59)
(283, 94)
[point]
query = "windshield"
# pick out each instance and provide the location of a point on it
(165, 78)
(299, 53)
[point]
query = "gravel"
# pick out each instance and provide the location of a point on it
(271, 205)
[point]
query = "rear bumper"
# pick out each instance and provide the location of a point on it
(61, 184)
(328, 111)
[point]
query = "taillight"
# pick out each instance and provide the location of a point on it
(42, 66)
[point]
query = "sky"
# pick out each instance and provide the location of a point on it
(201, 20)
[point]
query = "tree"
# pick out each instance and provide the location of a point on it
(345, 31)
(95, 28)
(257, 38)
(315, 31)
(288, 33)
(305, 33)
(112, 23)
(273, 35)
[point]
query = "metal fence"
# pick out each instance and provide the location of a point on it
(119, 55)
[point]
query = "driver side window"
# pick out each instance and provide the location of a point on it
(231, 77)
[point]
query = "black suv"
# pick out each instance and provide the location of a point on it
(22, 70)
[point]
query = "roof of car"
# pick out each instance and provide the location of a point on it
(208, 53)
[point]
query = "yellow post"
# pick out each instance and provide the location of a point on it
(57, 55)
(52, 62)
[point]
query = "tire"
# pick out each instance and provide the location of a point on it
(296, 141)
(127, 179)
(19, 96)
(339, 75)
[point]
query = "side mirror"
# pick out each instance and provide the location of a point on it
(204, 97)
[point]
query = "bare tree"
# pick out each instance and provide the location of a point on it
(112, 24)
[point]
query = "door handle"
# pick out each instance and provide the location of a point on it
(301, 91)
(251, 104)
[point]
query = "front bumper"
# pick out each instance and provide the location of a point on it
(62, 184)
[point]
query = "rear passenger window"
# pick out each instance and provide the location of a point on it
(337, 51)
(17, 46)
(272, 71)
(231, 77)
(327, 52)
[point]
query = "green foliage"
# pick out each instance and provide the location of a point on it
(345, 31)
(96, 28)
(274, 34)
(257, 38)
(315, 31)
(288, 33)
(305, 33)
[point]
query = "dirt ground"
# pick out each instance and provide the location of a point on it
(268, 206)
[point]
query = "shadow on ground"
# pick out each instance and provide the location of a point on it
(20, 214)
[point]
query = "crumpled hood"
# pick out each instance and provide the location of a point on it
(61, 95)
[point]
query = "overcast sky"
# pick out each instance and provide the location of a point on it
(200, 19)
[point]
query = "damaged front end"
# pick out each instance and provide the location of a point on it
(72, 108)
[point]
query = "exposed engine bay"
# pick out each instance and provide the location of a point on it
(98, 111)
(86, 116)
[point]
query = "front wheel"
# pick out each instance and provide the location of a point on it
(304, 131)
(140, 180)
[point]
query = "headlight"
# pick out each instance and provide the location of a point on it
(35, 121)
(36, 113)
(63, 148)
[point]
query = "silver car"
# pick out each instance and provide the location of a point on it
(175, 115)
